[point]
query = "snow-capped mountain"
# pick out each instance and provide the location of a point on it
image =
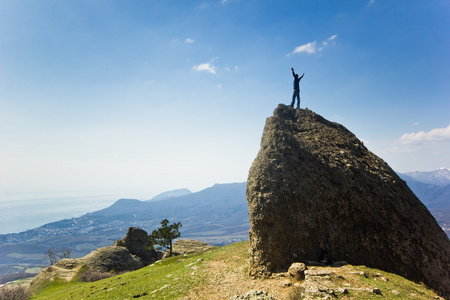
(436, 177)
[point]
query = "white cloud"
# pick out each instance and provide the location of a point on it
(189, 41)
(312, 47)
(309, 48)
(205, 67)
(332, 38)
(371, 2)
(434, 135)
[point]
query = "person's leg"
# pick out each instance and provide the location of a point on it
(297, 94)
(293, 99)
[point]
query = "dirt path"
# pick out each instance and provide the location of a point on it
(65, 273)
(226, 276)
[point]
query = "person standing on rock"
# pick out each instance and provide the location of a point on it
(296, 88)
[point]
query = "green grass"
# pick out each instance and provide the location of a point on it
(404, 289)
(175, 277)
(169, 279)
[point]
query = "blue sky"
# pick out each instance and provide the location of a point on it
(140, 97)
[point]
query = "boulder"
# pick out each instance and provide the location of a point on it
(316, 193)
(112, 258)
(135, 241)
(297, 270)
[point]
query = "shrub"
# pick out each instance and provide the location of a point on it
(92, 275)
(14, 292)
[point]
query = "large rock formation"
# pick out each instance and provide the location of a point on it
(136, 242)
(315, 193)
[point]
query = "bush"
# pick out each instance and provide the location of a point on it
(90, 276)
(14, 292)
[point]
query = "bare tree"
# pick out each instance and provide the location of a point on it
(51, 255)
(65, 252)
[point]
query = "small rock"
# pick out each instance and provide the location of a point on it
(376, 291)
(361, 273)
(297, 270)
(286, 283)
(254, 295)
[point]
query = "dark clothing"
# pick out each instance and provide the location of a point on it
(296, 90)
(297, 82)
(296, 95)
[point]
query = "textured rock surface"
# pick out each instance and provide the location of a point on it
(297, 270)
(136, 242)
(316, 193)
(112, 258)
(106, 259)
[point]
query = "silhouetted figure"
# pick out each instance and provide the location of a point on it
(296, 88)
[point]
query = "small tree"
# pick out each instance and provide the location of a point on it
(51, 255)
(65, 252)
(164, 235)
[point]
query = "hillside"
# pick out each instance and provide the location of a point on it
(20, 252)
(217, 215)
(222, 273)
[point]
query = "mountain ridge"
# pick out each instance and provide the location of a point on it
(439, 176)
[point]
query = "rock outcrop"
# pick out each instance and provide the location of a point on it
(316, 193)
(112, 258)
(105, 259)
(127, 254)
(136, 242)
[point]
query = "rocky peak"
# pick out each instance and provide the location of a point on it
(316, 193)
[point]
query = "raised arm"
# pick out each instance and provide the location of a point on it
(293, 73)
(302, 76)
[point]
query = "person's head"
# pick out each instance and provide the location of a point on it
(296, 75)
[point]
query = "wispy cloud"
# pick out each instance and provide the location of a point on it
(371, 2)
(205, 67)
(314, 47)
(189, 41)
(308, 48)
(434, 135)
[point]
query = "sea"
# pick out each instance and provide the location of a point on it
(22, 212)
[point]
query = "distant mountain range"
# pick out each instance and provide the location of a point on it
(437, 177)
(432, 188)
(217, 215)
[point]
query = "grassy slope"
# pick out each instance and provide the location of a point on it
(189, 278)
